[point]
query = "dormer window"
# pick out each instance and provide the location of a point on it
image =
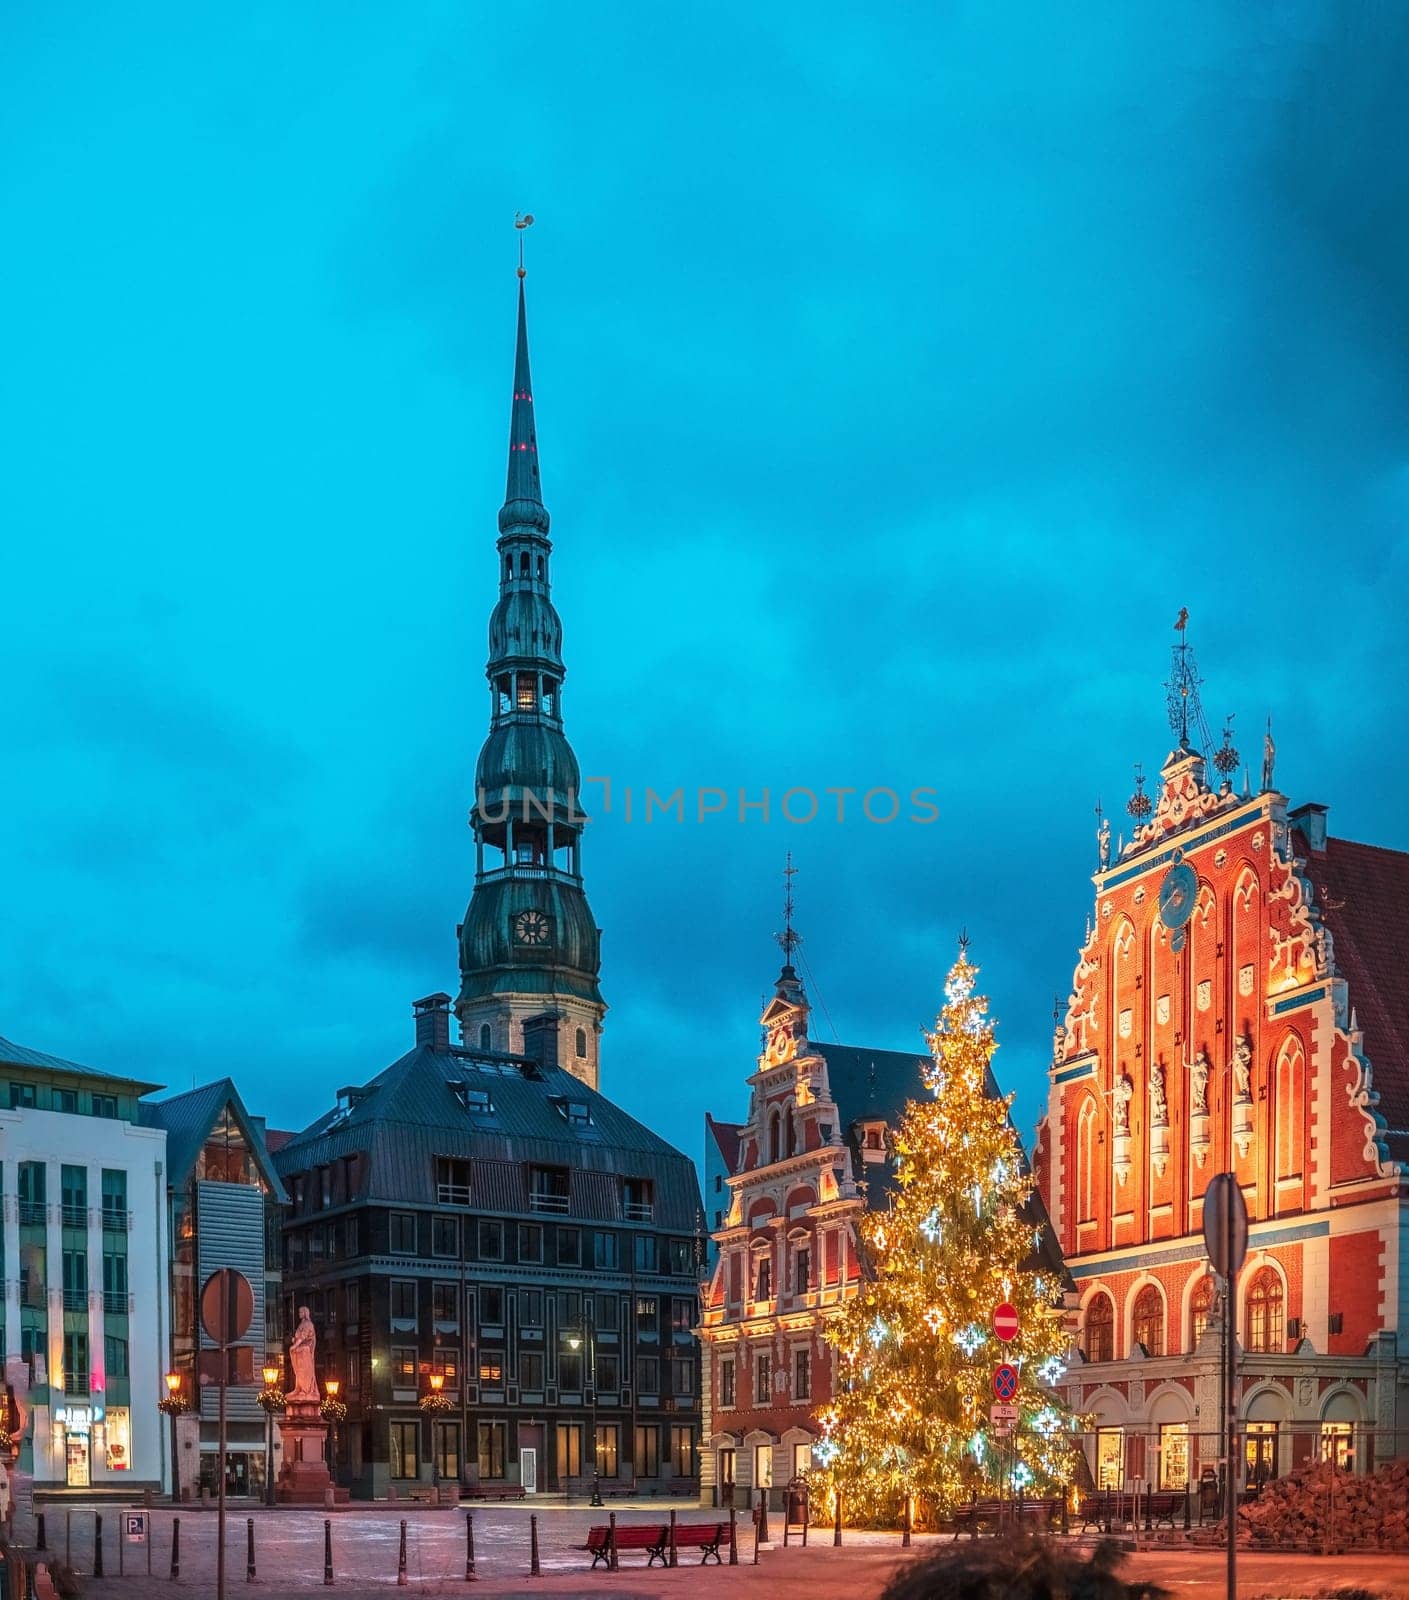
(576, 1112)
(873, 1141)
(471, 1098)
(637, 1199)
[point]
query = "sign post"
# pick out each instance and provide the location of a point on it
(1226, 1239)
(227, 1309)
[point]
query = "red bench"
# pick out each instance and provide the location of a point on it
(605, 1540)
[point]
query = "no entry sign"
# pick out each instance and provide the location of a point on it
(1005, 1380)
(1005, 1322)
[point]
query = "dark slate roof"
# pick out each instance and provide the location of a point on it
(188, 1119)
(1362, 896)
(876, 1084)
(18, 1055)
(726, 1140)
(408, 1115)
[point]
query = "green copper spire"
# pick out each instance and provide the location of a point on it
(523, 492)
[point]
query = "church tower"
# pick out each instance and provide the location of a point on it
(530, 951)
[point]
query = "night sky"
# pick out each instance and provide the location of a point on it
(899, 373)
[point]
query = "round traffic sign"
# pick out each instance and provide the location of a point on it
(1005, 1322)
(1005, 1380)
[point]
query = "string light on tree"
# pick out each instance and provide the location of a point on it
(915, 1353)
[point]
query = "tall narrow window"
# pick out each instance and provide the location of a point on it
(1288, 1109)
(1200, 1305)
(1100, 1329)
(1147, 1320)
(486, 1036)
(1086, 1162)
(1264, 1313)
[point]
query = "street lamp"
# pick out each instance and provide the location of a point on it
(271, 1375)
(173, 1403)
(437, 1383)
(334, 1412)
(574, 1342)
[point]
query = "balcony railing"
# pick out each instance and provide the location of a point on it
(75, 1216)
(33, 1213)
(115, 1220)
(117, 1305)
(639, 1210)
(542, 1201)
(75, 1299)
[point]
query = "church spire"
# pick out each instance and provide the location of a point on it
(523, 481)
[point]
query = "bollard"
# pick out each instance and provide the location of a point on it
(755, 1536)
(39, 1541)
(327, 1551)
(673, 1561)
(469, 1547)
(1188, 1512)
(611, 1540)
(1066, 1518)
(733, 1537)
(533, 1545)
(250, 1573)
(763, 1533)
(97, 1544)
(401, 1558)
(176, 1547)
(68, 1538)
(787, 1516)
(806, 1515)
(905, 1528)
(836, 1526)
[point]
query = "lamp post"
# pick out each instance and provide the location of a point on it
(271, 1375)
(333, 1411)
(437, 1383)
(575, 1341)
(173, 1403)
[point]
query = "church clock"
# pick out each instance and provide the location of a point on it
(532, 928)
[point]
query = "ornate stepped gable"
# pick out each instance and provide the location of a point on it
(1239, 1001)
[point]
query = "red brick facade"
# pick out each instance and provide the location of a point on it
(1237, 1003)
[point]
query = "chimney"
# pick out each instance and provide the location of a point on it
(540, 1038)
(433, 1022)
(1310, 821)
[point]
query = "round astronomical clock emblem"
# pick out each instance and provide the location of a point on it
(533, 929)
(1178, 894)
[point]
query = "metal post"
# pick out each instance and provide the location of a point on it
(590, 1329)
(327, 1551)
(269, 1459)
(176, 1547)
(97, 1544)
(787, 1516)
(1230, 1351)
(220, 1463)
(401, 1558)
(733, 1537)
(763, 1533)
(806, 1514)
(755, 1536)
(533, 1570)
(250, 1573)
(611, 1540)
(905, 1528)
(40, 1542)
(68, 1538)
(836, 1526)
(673, 1561)
(469, 1547)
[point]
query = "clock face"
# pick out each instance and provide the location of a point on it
(1177, 895)
(532, 928)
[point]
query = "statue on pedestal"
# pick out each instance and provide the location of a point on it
(301, 1359)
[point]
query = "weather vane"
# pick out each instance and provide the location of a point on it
(789, 939)
(522, 220)
(1182, 689)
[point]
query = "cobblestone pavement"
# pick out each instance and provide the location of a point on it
(289, 1548)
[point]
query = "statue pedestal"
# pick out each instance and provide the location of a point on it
(303, 1479)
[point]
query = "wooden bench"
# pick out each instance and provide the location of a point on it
(654, 1538)
(1116, 1507)
(1036, 1511)
(492, 1491)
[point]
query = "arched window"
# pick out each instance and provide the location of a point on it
(1263, 1322)
(792, 1134)
(1100, 1329)
(1288, 1081)
(773, 1137)
(1200, 1307)
(486, 1036)
(1086, 1162)
(523, 565)
(508, 566)
(540, 566)
(582, 1043)
(764, 1280)
(1147, 1320)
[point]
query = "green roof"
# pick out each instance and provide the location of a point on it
(19, 1055)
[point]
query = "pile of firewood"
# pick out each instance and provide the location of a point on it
(1317, 1507)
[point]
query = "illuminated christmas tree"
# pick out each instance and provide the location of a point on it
(916, 1349)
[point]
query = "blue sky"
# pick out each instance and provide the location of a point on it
(900, 371)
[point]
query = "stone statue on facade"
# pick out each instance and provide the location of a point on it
(1269, 756)
(301, 1350)
(1242, 1069)
(1103, 840)
(1159, 1105)
(1198, 1082)
(1122, 1095)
